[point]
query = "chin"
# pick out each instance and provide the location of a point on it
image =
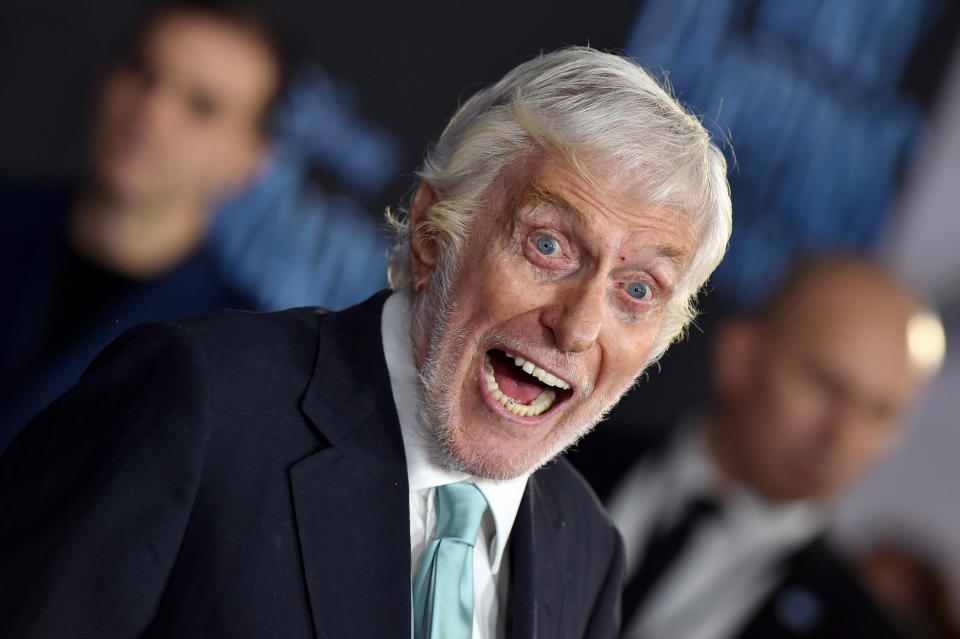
(488, 462)
(482, 435)
(491, 456)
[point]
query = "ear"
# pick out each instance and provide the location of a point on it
(734, 358)
(423, 245)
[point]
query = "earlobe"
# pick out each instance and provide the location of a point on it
(423, 244)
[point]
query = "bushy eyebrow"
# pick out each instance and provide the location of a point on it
(671, 253)
(543, 193)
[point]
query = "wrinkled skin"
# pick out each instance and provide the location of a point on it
(569, 311)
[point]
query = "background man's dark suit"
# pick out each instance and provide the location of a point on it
(242, 475)
(819, 597)
(64, 309)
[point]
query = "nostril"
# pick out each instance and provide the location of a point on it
(578, 331)
(576, 316)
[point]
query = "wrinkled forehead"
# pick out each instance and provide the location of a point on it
(641, 186)
(600, 195)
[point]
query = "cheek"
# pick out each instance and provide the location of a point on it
(778, 422)
(202, 154)
(197, 143)
(792, 399)
(622, 362)
(493, 288)
(869, 446)
(626, 345)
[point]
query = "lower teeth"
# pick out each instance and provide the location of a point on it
(540, 404)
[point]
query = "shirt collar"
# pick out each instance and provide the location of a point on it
(423, 471)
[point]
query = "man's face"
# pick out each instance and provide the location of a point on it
(181, 117)
(558, 295)
(819, 395)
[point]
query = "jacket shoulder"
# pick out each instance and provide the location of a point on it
(250, 333)
(564, 486)
(179, 371)
(566, 496)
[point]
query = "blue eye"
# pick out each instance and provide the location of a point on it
(547, 245)
(638, 290)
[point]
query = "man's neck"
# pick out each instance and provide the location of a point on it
(137, 239)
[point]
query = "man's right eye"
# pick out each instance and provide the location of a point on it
(547, 245)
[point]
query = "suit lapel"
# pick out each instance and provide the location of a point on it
(535, 586)
(351, 498)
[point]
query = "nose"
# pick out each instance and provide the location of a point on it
(576, 316)
(839, 422)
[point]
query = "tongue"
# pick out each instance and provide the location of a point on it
(513, 381)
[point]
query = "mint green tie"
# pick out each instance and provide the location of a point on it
(443, 587)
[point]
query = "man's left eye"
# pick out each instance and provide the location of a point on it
(547, 245)
(637, 290)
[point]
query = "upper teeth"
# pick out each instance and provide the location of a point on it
(544, 376)
(539, 405)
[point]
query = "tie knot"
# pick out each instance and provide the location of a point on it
(460, 508)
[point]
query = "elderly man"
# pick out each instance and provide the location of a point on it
(384, 470)
(724, 523)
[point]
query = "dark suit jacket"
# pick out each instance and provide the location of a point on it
(819, 598)
(243, 475)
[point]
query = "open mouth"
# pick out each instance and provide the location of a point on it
(522, 387)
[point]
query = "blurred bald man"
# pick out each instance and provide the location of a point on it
(724, 523)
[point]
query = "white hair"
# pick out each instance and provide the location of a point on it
(586, 107)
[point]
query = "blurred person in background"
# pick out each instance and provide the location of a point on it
(180, 124)
(724, 520)
(912, 586)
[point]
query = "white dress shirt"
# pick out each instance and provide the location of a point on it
(491, 575)
(731, 563)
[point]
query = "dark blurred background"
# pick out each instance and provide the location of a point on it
(843, 118)
(403, 66)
